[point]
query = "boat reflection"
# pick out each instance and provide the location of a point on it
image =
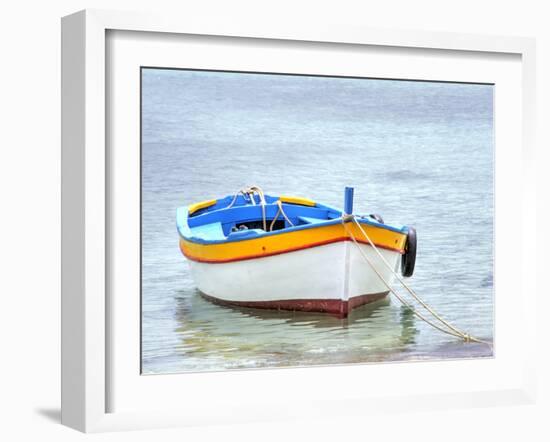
(225, 337)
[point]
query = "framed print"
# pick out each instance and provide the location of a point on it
(273, 222)
(297, 291)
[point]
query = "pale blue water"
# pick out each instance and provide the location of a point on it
(418, 153)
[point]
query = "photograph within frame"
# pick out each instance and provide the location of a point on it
(412, 150)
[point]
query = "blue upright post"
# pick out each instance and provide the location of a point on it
(348, 201)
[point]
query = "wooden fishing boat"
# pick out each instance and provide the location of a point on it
(290, 253)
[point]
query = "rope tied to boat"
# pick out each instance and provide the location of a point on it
(444, 325)
(280, 211)
(250, 192)
(256, 189)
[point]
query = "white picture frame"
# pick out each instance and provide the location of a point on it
(86, 315)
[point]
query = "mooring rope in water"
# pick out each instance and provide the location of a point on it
(452, 330)
(410, 290)
(401, 299)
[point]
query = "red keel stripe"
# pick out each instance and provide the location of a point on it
(336, 307)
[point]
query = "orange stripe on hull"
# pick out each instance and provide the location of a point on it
(278, 252)
(288, 242)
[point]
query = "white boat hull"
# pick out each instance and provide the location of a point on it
(330, 278)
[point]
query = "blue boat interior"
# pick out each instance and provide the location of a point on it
(235, 218)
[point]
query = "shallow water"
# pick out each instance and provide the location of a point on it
(417, 153)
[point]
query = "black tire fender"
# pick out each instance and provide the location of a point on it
(408, 259)
(377, 218)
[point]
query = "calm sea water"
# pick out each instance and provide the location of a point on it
(417, 153)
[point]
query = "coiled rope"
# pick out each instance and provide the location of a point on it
(250, 192)
(450, 328)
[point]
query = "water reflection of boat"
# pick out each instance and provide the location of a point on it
(289, 253)
(234, 337)
(314, 319)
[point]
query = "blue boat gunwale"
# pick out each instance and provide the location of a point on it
(185, 231)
